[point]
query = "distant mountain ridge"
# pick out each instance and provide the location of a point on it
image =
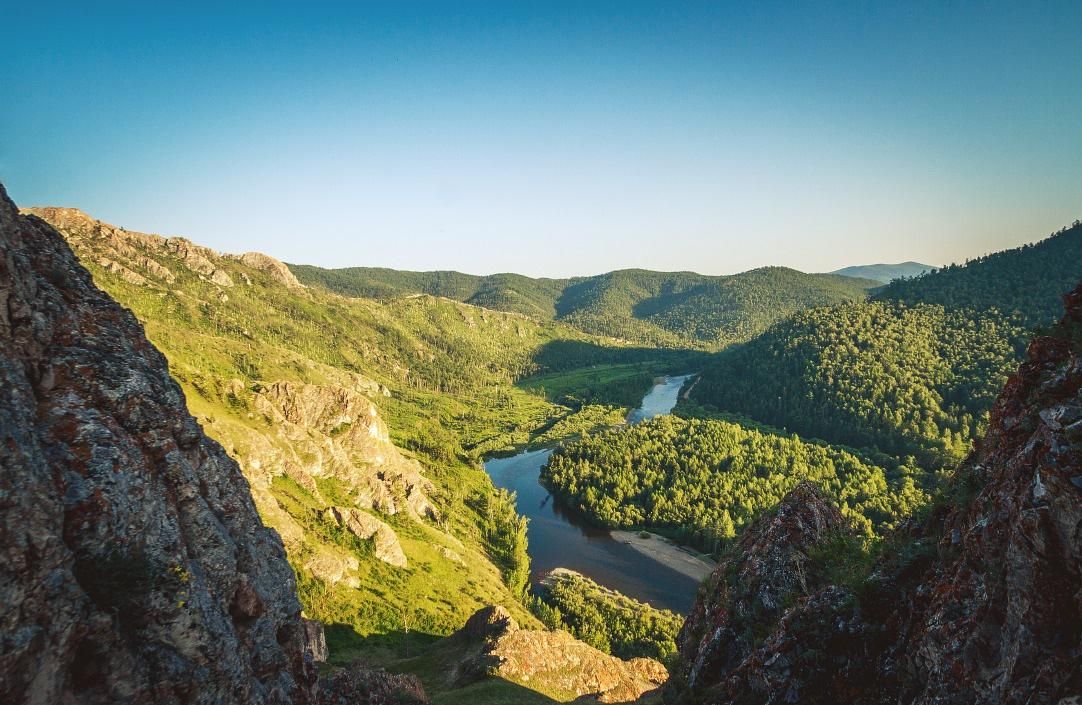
(884, 273)
(666, 309)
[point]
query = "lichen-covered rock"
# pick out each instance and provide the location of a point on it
(1000, 620)
(491, 644)
(133, 565)
(385, 542)
(360, 685)
(315, 640)
(765, 572)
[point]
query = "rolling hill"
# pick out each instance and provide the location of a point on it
(661, 309)
(912, 372)
(1026, 281)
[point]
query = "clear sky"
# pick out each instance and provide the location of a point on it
(550, 138)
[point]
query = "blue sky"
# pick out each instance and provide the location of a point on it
(551, 138)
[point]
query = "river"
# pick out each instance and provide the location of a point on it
(559, 538)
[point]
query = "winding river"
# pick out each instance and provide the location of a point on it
(559, 538)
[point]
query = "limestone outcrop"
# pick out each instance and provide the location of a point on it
(492, 644)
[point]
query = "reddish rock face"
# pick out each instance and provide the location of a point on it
(133, 565)
(766, 571)
(1002, 619)
(979, 603)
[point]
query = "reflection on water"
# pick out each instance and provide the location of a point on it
(659, 400)
(560, 538)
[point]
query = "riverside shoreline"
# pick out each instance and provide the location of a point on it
(669, 554)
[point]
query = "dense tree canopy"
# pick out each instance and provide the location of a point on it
(905, 380)
(606, 619)
(706, 479)
(1026, 282)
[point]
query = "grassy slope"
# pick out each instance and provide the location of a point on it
(449, 368)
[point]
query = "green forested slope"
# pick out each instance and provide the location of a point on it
(606, 619)
(706, 479)
(906, 380)
(659, 309)
(913, 372)
(1027, 281)
(501, 292)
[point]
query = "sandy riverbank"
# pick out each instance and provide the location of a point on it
(661, 550)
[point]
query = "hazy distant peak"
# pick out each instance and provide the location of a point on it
(884, 273)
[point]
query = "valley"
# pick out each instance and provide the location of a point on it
(515, 353)
(457, 486)
(559, 537)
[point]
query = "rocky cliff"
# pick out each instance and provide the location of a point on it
(134, 566)
(977, 602)
(764, 573)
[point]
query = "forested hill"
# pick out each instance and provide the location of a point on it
(910, 373)
(905, 380)
(502, 292)
(1027, 280)
(666, 309)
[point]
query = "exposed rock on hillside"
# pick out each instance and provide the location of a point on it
(365, 526)
(274, 268)
(357, 685)
(766, 572)
(334, 432)
(310, 433)
(134, 567)
(133, 251)
(315, 640)
(1000, 619)
(979, 603)
(551, 661)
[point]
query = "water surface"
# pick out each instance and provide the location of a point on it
(560, 538)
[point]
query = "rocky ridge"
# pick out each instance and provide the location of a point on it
(765, 572)
(978, 602)
(135, 567)
(139, 249)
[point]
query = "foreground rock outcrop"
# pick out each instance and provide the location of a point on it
(491, 644)
(357, 685)
(133, 565)
(980, 602)
(767, 571)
